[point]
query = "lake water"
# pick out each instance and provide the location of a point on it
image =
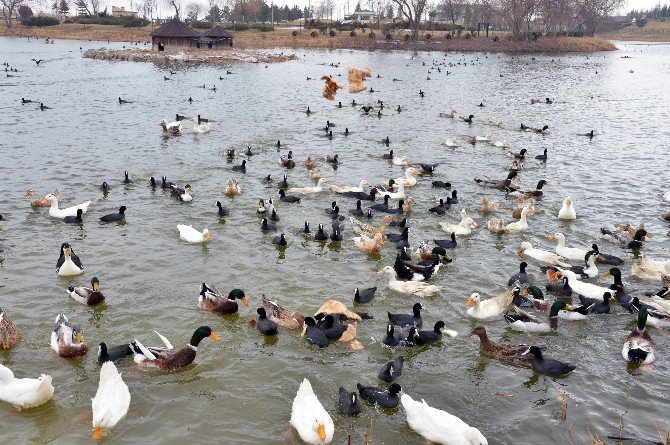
(240, 390)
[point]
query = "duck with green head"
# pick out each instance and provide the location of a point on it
(210, 299)
(638, 347)
(167, 358)
(525, 322)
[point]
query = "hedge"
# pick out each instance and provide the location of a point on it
(39, 21)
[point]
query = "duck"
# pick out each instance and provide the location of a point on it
(309, 418)
(525, 322)
(409, 180)
(408, 271)
(111, 401)
(242, 167)
(199, 126)
(404, 320)
(493, 307)
(74, 219)
(379, 396)
(437, 426)
(598, 306)
(589, 269)
(516, 166)
(548, 366)
(314, 335)
(500, 143)
(624, 239)
(285, 318)
(519, 279)
(563, 288)
(307, 190)
(638, 347)
(572, 253)
(334, 159)
(349, 402)
(40, 202)
(494, 123)
(537, 193)
(520, 156)
(369, 244)
(488, 206)
(115, 217)
(66, 340)
(309, 163)
(542, 157)
(168, 359)
(24, 393)
(88, 296)
(287, 198)
(404, 160)
(287, 161)
(543, 256)
(182, 194)
(581, 288)
(9, 333)
(370, 230)
(450, 243)
(650, 269)
(68, 263)
(55, 212)
(567, 212)
(448, 115)
(171, 128)
(210, 299)
(452, 142)
(343, 189)
(114, 354)
(399, 194)
(264, 325)
(505, 352)
(232, 188)
(464, 227)
(496, 225)
(511, 182)
(193, 236)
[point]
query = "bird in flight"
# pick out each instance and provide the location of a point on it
(38, 61)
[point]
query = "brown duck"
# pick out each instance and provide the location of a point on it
(210, 299)
(502, 351)
(282, 316)
(167, 358)
(9, 334)
(67, 340)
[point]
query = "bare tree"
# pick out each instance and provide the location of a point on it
(412, 10)
(176, 4)
(8, 9)
(453, 9)
(591, 13)
(148, 8)
(516, 12)
(194, 9)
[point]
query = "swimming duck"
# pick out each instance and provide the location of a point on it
(403, 320)
(307, 190)
(488, 206)
(314, 335)
(448, 115)
(55, 212)
(537, 193)
(68, 263)
(349, 402)
(264, 325)
(464, 227)
(111, 401)
(626, 240)
(282, 316)
(548, 366)
(409, 180)
(232, 188)
(442, 207)
(493, 307)
(115, 217)
(408, 271)
(170, 129)
(572, 253)
(379, 396)
(447, 243)
(66, 340)
(370, 230)
(404, 160)
(452, 142)
(496, 225)
(437, 426)
(369, 244)
(598, 306)
(40, 202)
(525, 322)
(581, 288)
(429, 255)
(563, 288)
(500, 144)
(649, 269)
(88, 296)
(9, 334)
(501, 351)
(24, 393)
(287, 198)
(567, 211)
(503, 184)
(200, 126)
(182, 194)
(191, 235)
(313, 424)
(604, 258)
(344, 189)
(638, 347)
(74, 219)
(167, 358)
(287, 161)
(309, 163)
(210, 299)
(542, 157)
(392, 369)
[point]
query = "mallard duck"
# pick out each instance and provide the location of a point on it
(379, 396)
(55, 212)
(410, 177)
(488, 206)
(638, 347)
(167, 358)
(282, 316)
(604, 258)
(464, 227)
(544, 256)
(191, 235)
(586, 289)
(537, 193)
(232, 188)
(24, 393)
(313, 424)
(493, 307)
(418, 288)
(9, 334)
(111, 401)
(370, 230)
(567, 211)
(502, 351)
(496, 225)
(392, 369)
(349, 402)
(287, 161)
(307, 190)
(68, 263)
(66, 340)
(515, 166)
(368, 244)
(624, 239)
(343, 189)
(85, 295)
(439, 426)
(525, 322)
(170, 128)
(210, 299)
(548, 366)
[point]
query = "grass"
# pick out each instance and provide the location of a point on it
(650, 32)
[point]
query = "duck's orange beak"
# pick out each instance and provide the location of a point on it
(321, 431)
(244, 301)
(519, 251)
(470, 302)
(214, 337)
(97, 433)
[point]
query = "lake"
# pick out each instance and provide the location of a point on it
(240, 390)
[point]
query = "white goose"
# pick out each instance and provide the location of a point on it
(306, 190)
(493, 307)
(111, 401)
(567, 212)
(543, 256)
(191, 235)
(309, 417)
(572, 253)
(200, 128)
(410, 177)
(462, 228)
(400, 194)
(452, 142)
(400, 160)
(345, 188)
(24, 393)
(418, 288)
(439, 426)
(55, 212)
(170, 128)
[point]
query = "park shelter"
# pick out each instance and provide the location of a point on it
(174, 33)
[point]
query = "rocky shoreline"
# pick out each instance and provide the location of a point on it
(187, 57)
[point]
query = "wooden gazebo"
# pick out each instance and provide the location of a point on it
(174, 33)
(217, 37)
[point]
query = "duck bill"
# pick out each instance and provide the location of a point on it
(526, 351)
(526, 293)
(214, 337)
(245, 301)
(606, 274)
(470, 302)
(551, 237)
(380, 272)
(519, 250)
(79, 337)
(304, 329)
(97, 433)
(68, 252)
(474, 225)
(321, 431)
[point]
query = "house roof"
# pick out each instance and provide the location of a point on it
(175, 28)
(218, 32)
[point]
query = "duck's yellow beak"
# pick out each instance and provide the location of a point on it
(96, 287)
(97, 433)
(79, 337)
(526, 293)
(569, 307)
(208, 235)
(607, 273)
(68, 251)
(244, 301)
(214, 337)
(470, 302)
(321, 431)
(304, 329)
(568, 201)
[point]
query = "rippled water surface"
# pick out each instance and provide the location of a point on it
(240, 390)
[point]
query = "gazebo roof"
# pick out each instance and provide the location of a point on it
(175, 28)
(218, 32)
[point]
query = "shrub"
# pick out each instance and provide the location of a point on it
(25, 12)
(40, 21)
(352, 33)
(372, 35)
(201, 24)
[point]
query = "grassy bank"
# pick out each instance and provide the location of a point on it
(650, 32)
(282, 38)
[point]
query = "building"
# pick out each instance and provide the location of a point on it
(120, 11)
(363, 16)
(175, 33)
(217, 37)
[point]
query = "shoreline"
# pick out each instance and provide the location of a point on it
(282, 38)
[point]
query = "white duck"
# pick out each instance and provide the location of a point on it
(170, 128)
(666, 196)
(400, 194)
(493, 307)
(543, 256)
(24, 393)
(496, 225)
(191, 235)
(200, 128)
(55, 212)
(400, 160)
(462, 228)
(345, 188)
(309, 418)
(418, 288)
(649, 269)
(567, 212)
(487, 138)
(69, 268)
(410, 177)
(369, 244)
(500, 144)
(439, 426)
(452, 142)
(572, 253)
(306, 190)
(111, 401)
(587, 290)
